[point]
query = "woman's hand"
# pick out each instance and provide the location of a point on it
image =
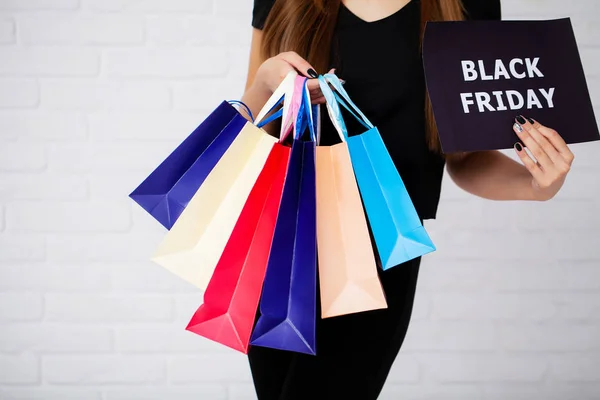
(273, 70)
(553, 156)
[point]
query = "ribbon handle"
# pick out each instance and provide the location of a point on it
(333, 109)
(284, 93)
(346, 101)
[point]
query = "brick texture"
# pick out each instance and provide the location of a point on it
(94, 93)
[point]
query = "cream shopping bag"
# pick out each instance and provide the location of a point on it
(349, 280)
(193, 246)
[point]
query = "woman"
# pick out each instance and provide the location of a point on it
(374, 46)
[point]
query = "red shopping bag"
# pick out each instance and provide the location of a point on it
(233, 293)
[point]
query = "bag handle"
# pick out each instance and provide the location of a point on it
(293, 103)
(283, 93)
(314, 125)
(311, 114)
(244, 106)
(346, 101)
(333, 109)
(316, 111)
(305, 116)
(341, 101)
(298, 106)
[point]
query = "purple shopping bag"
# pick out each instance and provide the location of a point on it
(165, 193)
(287, 318)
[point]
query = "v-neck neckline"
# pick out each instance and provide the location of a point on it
(380, 20)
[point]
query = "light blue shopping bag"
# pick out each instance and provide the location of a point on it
(397, 230)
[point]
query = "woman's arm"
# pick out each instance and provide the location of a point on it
(265, 75)
(255, 95)
(492, 175)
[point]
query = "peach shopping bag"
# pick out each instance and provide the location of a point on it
(349, 280)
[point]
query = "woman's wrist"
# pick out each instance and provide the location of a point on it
(524, 188)
(256, 96)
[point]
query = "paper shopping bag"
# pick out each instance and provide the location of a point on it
(287, 318)
(228, 312)
(193, 246)
(397, 229)
(166, 192)
(349, 280)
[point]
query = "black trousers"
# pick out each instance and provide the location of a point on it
(354, 352)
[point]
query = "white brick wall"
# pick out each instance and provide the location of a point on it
(93, 93)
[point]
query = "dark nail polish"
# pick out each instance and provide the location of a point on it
(518, 146)
(531, 121)
(521, 120)
(312, 73)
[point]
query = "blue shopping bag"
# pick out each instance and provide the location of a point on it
(166, 192)
(397, 230)
(288, 311)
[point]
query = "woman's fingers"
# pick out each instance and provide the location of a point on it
(553, 161)
(520, 128)
(541, 140)
(313, 86)
(304, 67)
(299, 63)
(529, 163)
(315, 92)
(557, 141)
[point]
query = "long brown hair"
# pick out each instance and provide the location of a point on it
(307, 26)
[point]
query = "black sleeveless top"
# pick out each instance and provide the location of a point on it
(382, 66)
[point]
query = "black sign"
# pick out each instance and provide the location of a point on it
(482, 74)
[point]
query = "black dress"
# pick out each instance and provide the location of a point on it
(382, 66)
